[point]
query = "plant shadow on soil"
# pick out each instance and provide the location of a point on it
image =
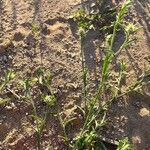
(136, 126)
(143, 10)
(129, 117)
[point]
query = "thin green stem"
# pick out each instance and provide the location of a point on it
(84, 72)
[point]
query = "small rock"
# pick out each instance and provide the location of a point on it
(136, 139)
(11, 107)
(8, 108)
(144, 112)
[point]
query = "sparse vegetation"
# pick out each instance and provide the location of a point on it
(37, 88)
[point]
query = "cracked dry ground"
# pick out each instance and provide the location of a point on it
(58, 49)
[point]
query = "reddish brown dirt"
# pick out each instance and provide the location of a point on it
(59, 50)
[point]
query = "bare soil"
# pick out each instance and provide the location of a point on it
(58, 50)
